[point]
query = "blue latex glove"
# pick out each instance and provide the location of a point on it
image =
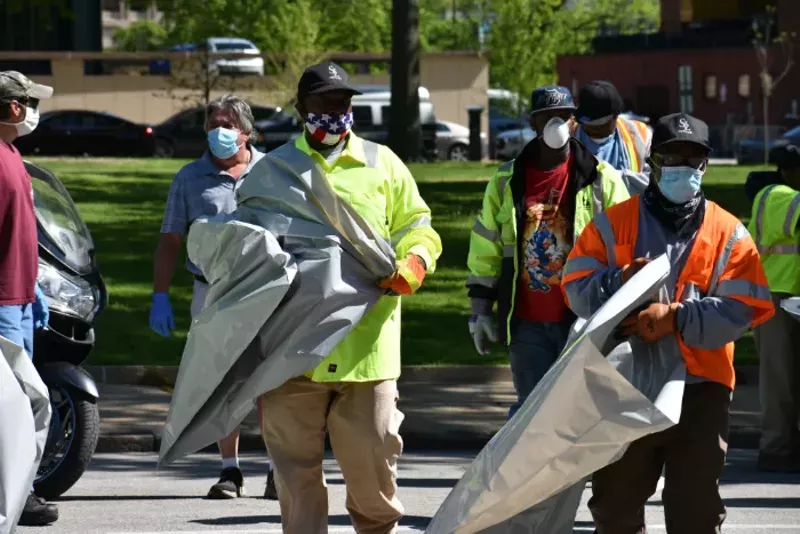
(162, 321)
(41, 311)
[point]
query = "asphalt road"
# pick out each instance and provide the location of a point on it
(122, 493)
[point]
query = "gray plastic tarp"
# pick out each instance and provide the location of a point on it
(595, 400)
(291, 271)
(24, 423)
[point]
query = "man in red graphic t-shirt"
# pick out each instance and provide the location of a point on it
(533, 209)
(23, 306)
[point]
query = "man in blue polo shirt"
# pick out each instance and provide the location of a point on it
(204, 188)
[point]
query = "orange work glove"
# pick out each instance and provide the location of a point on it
(653, 323)
(408, 277)
(634, 267)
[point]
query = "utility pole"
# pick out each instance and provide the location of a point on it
(405, 132)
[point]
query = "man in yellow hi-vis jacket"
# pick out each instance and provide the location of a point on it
(775, 226)
(533, 210)
(353, 393)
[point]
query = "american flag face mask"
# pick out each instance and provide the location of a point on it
(329, 128)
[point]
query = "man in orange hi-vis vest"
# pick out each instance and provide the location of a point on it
(715, 292)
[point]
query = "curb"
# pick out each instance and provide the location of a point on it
(165, 375)
(739, 438)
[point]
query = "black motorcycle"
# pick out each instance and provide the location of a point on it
(76, 294)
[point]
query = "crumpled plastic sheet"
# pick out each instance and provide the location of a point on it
(24, 424)
(594, 401)
(291, 272)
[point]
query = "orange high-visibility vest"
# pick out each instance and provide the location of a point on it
(723, 262)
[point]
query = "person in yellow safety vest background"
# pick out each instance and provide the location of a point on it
(353, 393)
(533, 209)
(774, 225)
(715, 292)
(621, 141)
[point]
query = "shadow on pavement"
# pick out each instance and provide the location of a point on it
(333, 520)
(113, 498)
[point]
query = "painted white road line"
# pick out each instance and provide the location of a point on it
(726, 527)
(331, 530)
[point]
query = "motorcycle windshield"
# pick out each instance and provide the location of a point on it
(68, 236)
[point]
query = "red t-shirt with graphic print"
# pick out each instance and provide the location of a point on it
(546, 243)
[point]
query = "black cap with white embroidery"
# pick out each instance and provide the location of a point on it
(680, 127)
(322, 78)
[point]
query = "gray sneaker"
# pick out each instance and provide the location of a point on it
(230, 485)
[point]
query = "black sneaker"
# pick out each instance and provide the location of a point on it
(230, 485)
(271, 492)
(38, 512)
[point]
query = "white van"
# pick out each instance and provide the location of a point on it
(371, 110)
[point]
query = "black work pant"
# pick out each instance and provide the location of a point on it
(691, 455)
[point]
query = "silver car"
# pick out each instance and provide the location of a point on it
(511, 142)
(452, 141)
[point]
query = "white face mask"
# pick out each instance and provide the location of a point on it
(28, 124)
(556, 133)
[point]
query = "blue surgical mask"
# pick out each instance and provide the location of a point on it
(222, 142)
(680, 184)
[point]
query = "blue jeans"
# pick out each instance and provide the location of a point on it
(533, 349)
(16, 324)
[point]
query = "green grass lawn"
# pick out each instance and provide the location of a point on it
(123, 201)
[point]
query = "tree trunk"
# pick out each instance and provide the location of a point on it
(766, 128)
(405, 135)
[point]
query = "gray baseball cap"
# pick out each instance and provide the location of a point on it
(15, 85)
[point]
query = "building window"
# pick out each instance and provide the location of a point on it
(685, 88)
(710, 89)
(744, 86)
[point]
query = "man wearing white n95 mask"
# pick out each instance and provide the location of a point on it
(533, 210)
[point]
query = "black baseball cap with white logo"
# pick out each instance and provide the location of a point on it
(598, 102)
(680, 127)
(322, 78)
(551, 97)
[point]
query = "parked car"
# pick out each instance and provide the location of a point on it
(183, 135)
(243, 65)
(218, 45)
(452, 141)
(511, 142)
(282, 127)
(91, 133)
(751, 151)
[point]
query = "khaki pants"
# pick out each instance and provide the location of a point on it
(692, 456)
(778, 343)
(363, 422)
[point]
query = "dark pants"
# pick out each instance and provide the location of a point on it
(692, 455)
(534, 348)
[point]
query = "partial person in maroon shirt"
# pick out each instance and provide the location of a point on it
(23, 306)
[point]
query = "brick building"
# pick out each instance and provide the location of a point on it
(702, 61)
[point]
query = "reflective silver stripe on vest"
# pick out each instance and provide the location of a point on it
(603, 226)
(640, 145)
(787, 224)
(417, 223)
(597, 195)
(370, 153)
(508, 251)
(740, 232)
(743, 288)
(481, 230)
(503, 181)
(762, 203)
(485, 281)
(779, 249)
(583, 263)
